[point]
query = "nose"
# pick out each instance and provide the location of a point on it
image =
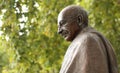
(60, 31)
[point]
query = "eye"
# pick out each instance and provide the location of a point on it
(62, 22)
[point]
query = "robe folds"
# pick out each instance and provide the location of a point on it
(89, 52)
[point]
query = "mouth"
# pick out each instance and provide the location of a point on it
(65, 33)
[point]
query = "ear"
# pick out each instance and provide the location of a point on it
(79, 19)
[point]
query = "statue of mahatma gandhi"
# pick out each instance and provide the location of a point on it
(89, 52)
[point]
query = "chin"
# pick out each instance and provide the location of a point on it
(68, 38)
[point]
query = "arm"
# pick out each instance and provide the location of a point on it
(95, 59)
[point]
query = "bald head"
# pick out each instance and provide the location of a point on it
(71, 20)
(73, 11)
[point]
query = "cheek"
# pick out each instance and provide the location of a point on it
(74, 30)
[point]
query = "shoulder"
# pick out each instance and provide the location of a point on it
(87, 36)
(88, 39)
(88, 33)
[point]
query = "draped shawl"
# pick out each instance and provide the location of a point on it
(89, 52)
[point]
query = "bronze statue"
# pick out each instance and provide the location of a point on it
(89, 52)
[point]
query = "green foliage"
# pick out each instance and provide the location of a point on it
(29, 42)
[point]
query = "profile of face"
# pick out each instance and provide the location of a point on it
(67, 26)
(71, 20)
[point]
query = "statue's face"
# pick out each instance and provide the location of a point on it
(71, 20)
(67, 27)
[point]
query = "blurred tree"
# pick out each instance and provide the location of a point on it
(30, 33)
(29, 42)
